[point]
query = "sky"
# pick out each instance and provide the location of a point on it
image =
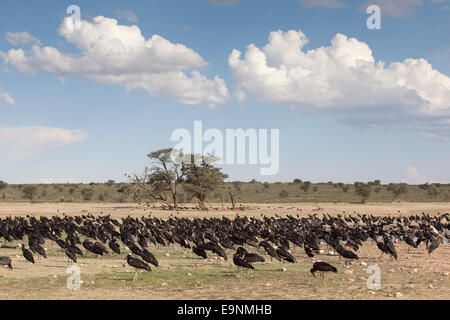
(87, 102)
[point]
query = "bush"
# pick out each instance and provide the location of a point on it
(29, 192)
(110, 183)
(424, 186)
(121, 189)
(432, 193)
(305, 186)
(283, 194)
(87, 194)
(397, 189)
(363, 190)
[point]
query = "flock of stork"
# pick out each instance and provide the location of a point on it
(276, 235)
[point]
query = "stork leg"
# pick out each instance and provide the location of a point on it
(135, 276)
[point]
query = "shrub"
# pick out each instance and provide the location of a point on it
(305, 186)
(29, 192)
(87, 194)
(110, 183)
(432, 192)
(283, 194)
(121, 189)
(364, 191)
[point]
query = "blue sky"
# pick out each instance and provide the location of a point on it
(78, 110)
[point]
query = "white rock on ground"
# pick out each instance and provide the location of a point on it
(348, 272)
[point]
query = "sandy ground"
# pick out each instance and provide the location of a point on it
(252, 209)
(182, 275)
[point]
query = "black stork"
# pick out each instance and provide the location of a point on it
(137, 264)
(240, 262)
(27, 254)
(322, 267)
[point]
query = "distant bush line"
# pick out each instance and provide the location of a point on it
(243, 192)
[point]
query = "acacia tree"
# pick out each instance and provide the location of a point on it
(305, 186)
(161, 181)
(201, 178)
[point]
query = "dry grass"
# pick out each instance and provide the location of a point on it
(182, 275)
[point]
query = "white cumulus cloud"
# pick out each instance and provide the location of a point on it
(5, 97)
(120, 54)
(19, 143)
(240, 96)
(414, 177)
(16, 38)
(345, 82)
